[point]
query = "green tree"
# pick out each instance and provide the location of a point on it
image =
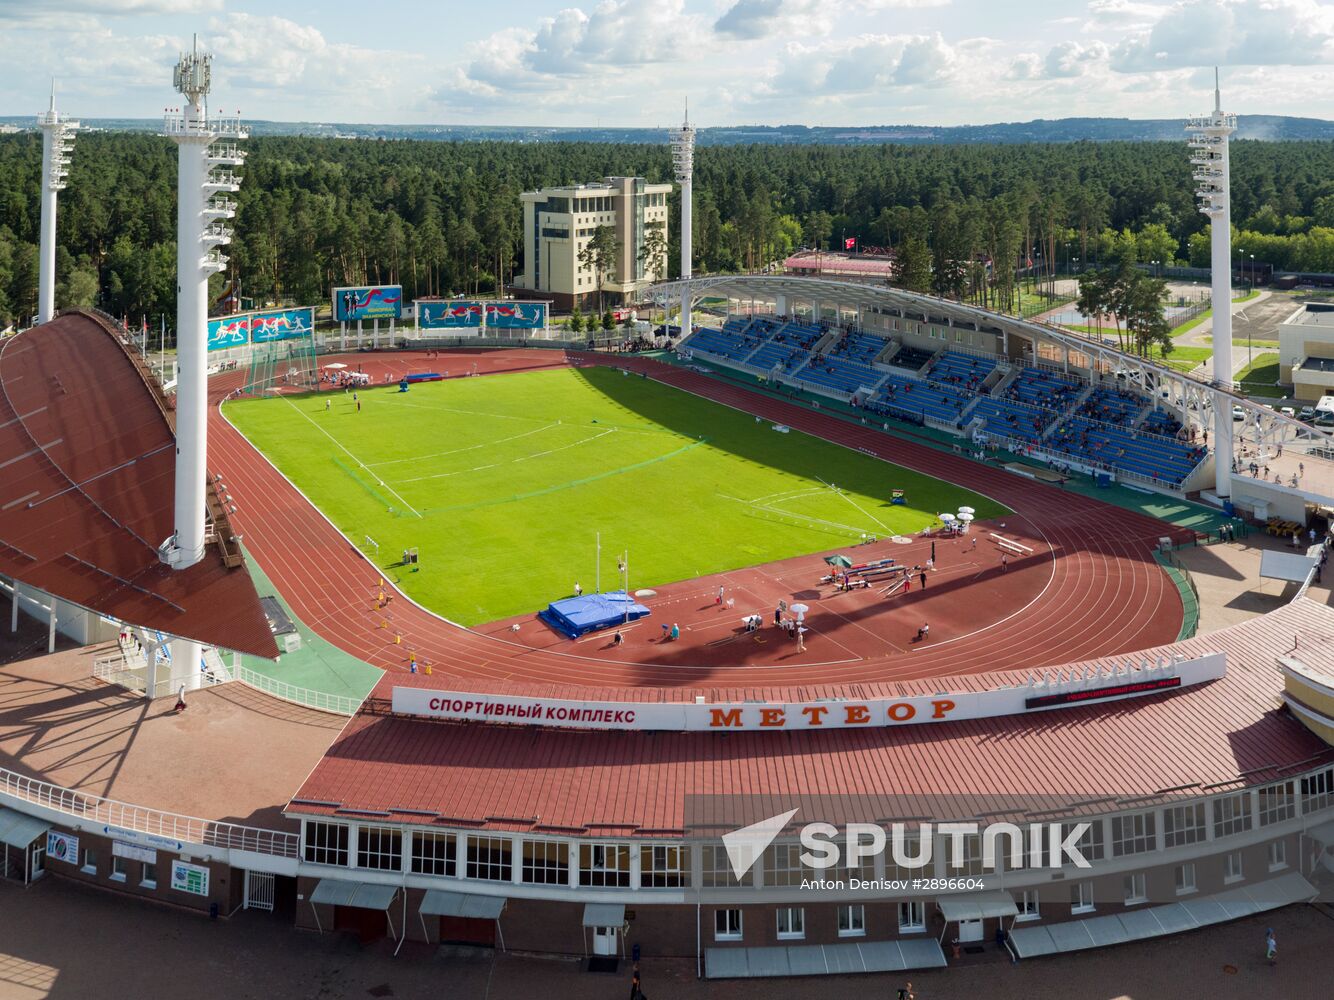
(599, 255)
(608, 321)
(1142, 307)
(576, 319)
(913, 270)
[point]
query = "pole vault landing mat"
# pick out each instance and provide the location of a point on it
(576, 616)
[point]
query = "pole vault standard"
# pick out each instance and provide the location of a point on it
(207, 156)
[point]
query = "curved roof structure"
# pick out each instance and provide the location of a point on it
(87, 457)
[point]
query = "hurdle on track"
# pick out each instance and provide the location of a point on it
(371, 543)
(1010, 546)
(895, 587)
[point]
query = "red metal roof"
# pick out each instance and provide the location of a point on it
(1231, 731)
(836, 263)
(87, 450)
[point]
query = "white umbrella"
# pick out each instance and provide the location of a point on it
(799, 609)
(966, 510)
(947, 518)
(336, 364)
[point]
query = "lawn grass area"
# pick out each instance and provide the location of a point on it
(502, 483)
(1260, 377)
(1183, 359)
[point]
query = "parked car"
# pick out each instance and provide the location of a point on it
(1306, 413)
(1238, 413)
(1287, 411)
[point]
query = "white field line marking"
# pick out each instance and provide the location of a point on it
(446, 475)
(378, 480)
(841, 493)
(474, 447)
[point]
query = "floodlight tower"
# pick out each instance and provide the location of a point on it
(1208, 142)
(683, 162)
(57, 147)
(207, 158)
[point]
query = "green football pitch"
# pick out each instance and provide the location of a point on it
(503, 483)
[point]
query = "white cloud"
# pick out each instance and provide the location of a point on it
(866, 64)
(50, 10)
(1231, 33)
(750, 20)
(1026, 66)
(1070, 59)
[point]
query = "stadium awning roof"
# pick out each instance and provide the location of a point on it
(1286, 566)
(1156, 921)
(366, 895)
(977, 906)
(823, 960)
(442, 903)
(87, 462)
(18, 830)
(604, 914)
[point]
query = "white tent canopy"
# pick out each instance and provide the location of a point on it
(364, 895)
(977, 906)
(470, 906)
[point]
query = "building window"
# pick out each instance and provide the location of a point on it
(1278, 855)
(791, 923)
(663, 866)
(380, 848)
(717, 870)
(1185, 878)
(1132, 834)
(912, 851)
(1183, 825)
(604, 865)
(1232, 867)
(1029, 905)
(912, 917)
(1081, 897)
(1090, 842)
(326, 843)
(727, 925)
(89, 861)
(490, 858)
(1277, 803)
(782, 865)
(118, 869)
(148, 875)
(852, 920)
(546, 862)
(1135, 891)
(433, 853)
(1318, 791)
(1232, 814)
(969, 860)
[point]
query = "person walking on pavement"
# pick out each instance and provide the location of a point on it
(1271, 946)
(923, 578)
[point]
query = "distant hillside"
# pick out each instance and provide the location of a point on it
(1267, 127)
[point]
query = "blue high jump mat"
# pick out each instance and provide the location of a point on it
(576, 616)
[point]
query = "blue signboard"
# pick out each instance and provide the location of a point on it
(281, 324)
(446, 315)
(516, 315)
(228, 331)
(352, 304)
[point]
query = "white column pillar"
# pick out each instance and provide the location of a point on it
(191, 343)
(51, 628)
(46, 276)
(185, 672)
(14, 608)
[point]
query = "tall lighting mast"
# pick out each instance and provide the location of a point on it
(207, 158)
(57, 147)
(1208, 141)
(683, 162)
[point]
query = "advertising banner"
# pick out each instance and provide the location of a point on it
(62, 847)
(189, 878)
(281, 324)
(380, 302)
(228, 331)
(448, 315)
(516, 315)
(1125, 681)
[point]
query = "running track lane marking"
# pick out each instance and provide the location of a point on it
(315, 423)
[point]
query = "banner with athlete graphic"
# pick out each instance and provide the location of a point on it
(516, 315)
(281, 324)
(448, 315)
(379, 302)
(228, 331)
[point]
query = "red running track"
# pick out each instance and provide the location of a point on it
(1106, 596)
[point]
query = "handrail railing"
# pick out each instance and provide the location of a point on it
(95, 810)
(320, 701)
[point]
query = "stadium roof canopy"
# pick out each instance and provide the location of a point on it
(87, 459)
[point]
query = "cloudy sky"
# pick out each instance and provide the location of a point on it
(633, 62)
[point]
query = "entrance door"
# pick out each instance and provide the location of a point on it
(604, 941)
(259, 890)
(37, 866)
(970, 930)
